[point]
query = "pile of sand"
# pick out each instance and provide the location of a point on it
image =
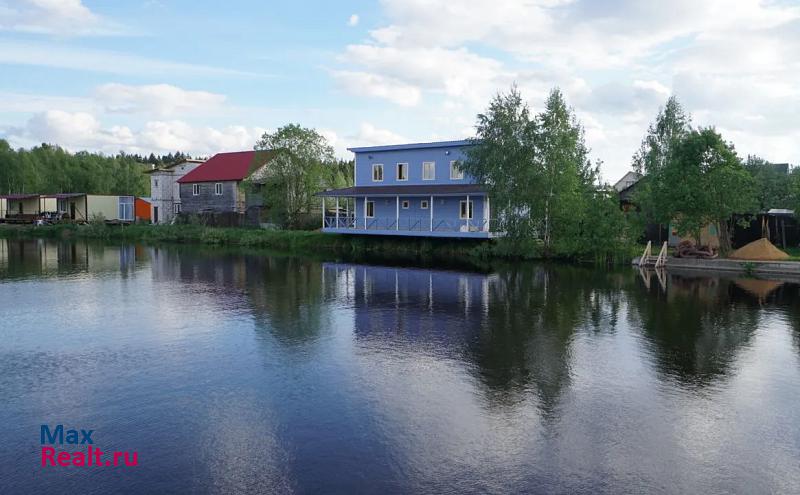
(760, 250)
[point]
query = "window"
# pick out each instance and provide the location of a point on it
(126, 208)
(370, 209)
(402, 171)
(423, 205)
(455, 171)
(177, 207)
(218, 189)
(428, 170)
(465, 213)
(195, 189)
(155, 182)
(377, 172)
(406, 204)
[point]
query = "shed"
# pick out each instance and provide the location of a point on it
(142, 207)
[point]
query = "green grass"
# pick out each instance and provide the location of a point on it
(474, 251)
(794, 252)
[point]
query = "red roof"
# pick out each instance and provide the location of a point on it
(228, 166)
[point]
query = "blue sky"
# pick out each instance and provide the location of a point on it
(203, 77)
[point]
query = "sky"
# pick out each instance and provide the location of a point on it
(205, 76)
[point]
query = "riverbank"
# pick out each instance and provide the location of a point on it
(312, 242)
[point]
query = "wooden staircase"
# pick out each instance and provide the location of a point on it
(647, 258)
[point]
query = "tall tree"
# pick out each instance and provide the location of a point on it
(504, 158)
(536, 169)
(671, 125)
(664, 134)
(295, 173)
(702, 183)
(772, 182)
(565, 172)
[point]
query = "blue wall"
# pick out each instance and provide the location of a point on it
(440, 153)
(444, 207)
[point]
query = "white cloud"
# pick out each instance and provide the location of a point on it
(732, 63)
(55, 17)
(82, 130)
(61, 56)
(353, 20)
(364, 83)
(369, 135)
(155, 99)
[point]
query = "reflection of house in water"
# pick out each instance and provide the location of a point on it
(25, 257)
(511, 329)
(410, 303)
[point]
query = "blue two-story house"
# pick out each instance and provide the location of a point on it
(410, 190)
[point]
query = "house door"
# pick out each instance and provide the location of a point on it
(155, 214)
(72, 211)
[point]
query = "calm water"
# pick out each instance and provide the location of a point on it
(236, 373)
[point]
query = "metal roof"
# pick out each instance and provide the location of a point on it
(423, 190)
(64, 195)
(228, 166)
(19, 196)
(412, 146)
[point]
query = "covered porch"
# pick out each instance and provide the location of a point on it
(22, 208)
(425, 211)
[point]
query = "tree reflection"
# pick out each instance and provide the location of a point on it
(530, 325)
(697, 329)
(513, 328)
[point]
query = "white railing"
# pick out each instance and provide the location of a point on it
(407, 224)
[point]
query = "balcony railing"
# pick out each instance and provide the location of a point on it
(408, 224)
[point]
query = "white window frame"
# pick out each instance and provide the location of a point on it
(453, 168)
(405, 204)
(370, 206)
(375, 168)
(195, 189)
(404, 167)
(432, 168)
(126, 208)
(218, 189)
(423, 205)
(469, 210)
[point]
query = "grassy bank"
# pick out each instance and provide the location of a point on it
(305, 242)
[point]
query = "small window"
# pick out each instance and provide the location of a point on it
(402, 171)
(195, 189)
(377, 172)
(428, 170)
(370, 209)
(423, 205)
(218, 189)
(177, 207)
(155, 182)
(455, 171)
(465, 213)
(406, 204)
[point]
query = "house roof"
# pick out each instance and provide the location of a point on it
(64, 195)
(236, 166)
(425, 190)
(627, 180)
(168, 168)
(19, 196)
(412, 146)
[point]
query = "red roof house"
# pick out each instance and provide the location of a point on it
(215, 186)
(234, 166)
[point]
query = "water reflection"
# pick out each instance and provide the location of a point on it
(288, 374)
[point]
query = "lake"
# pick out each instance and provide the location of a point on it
(245, 372)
